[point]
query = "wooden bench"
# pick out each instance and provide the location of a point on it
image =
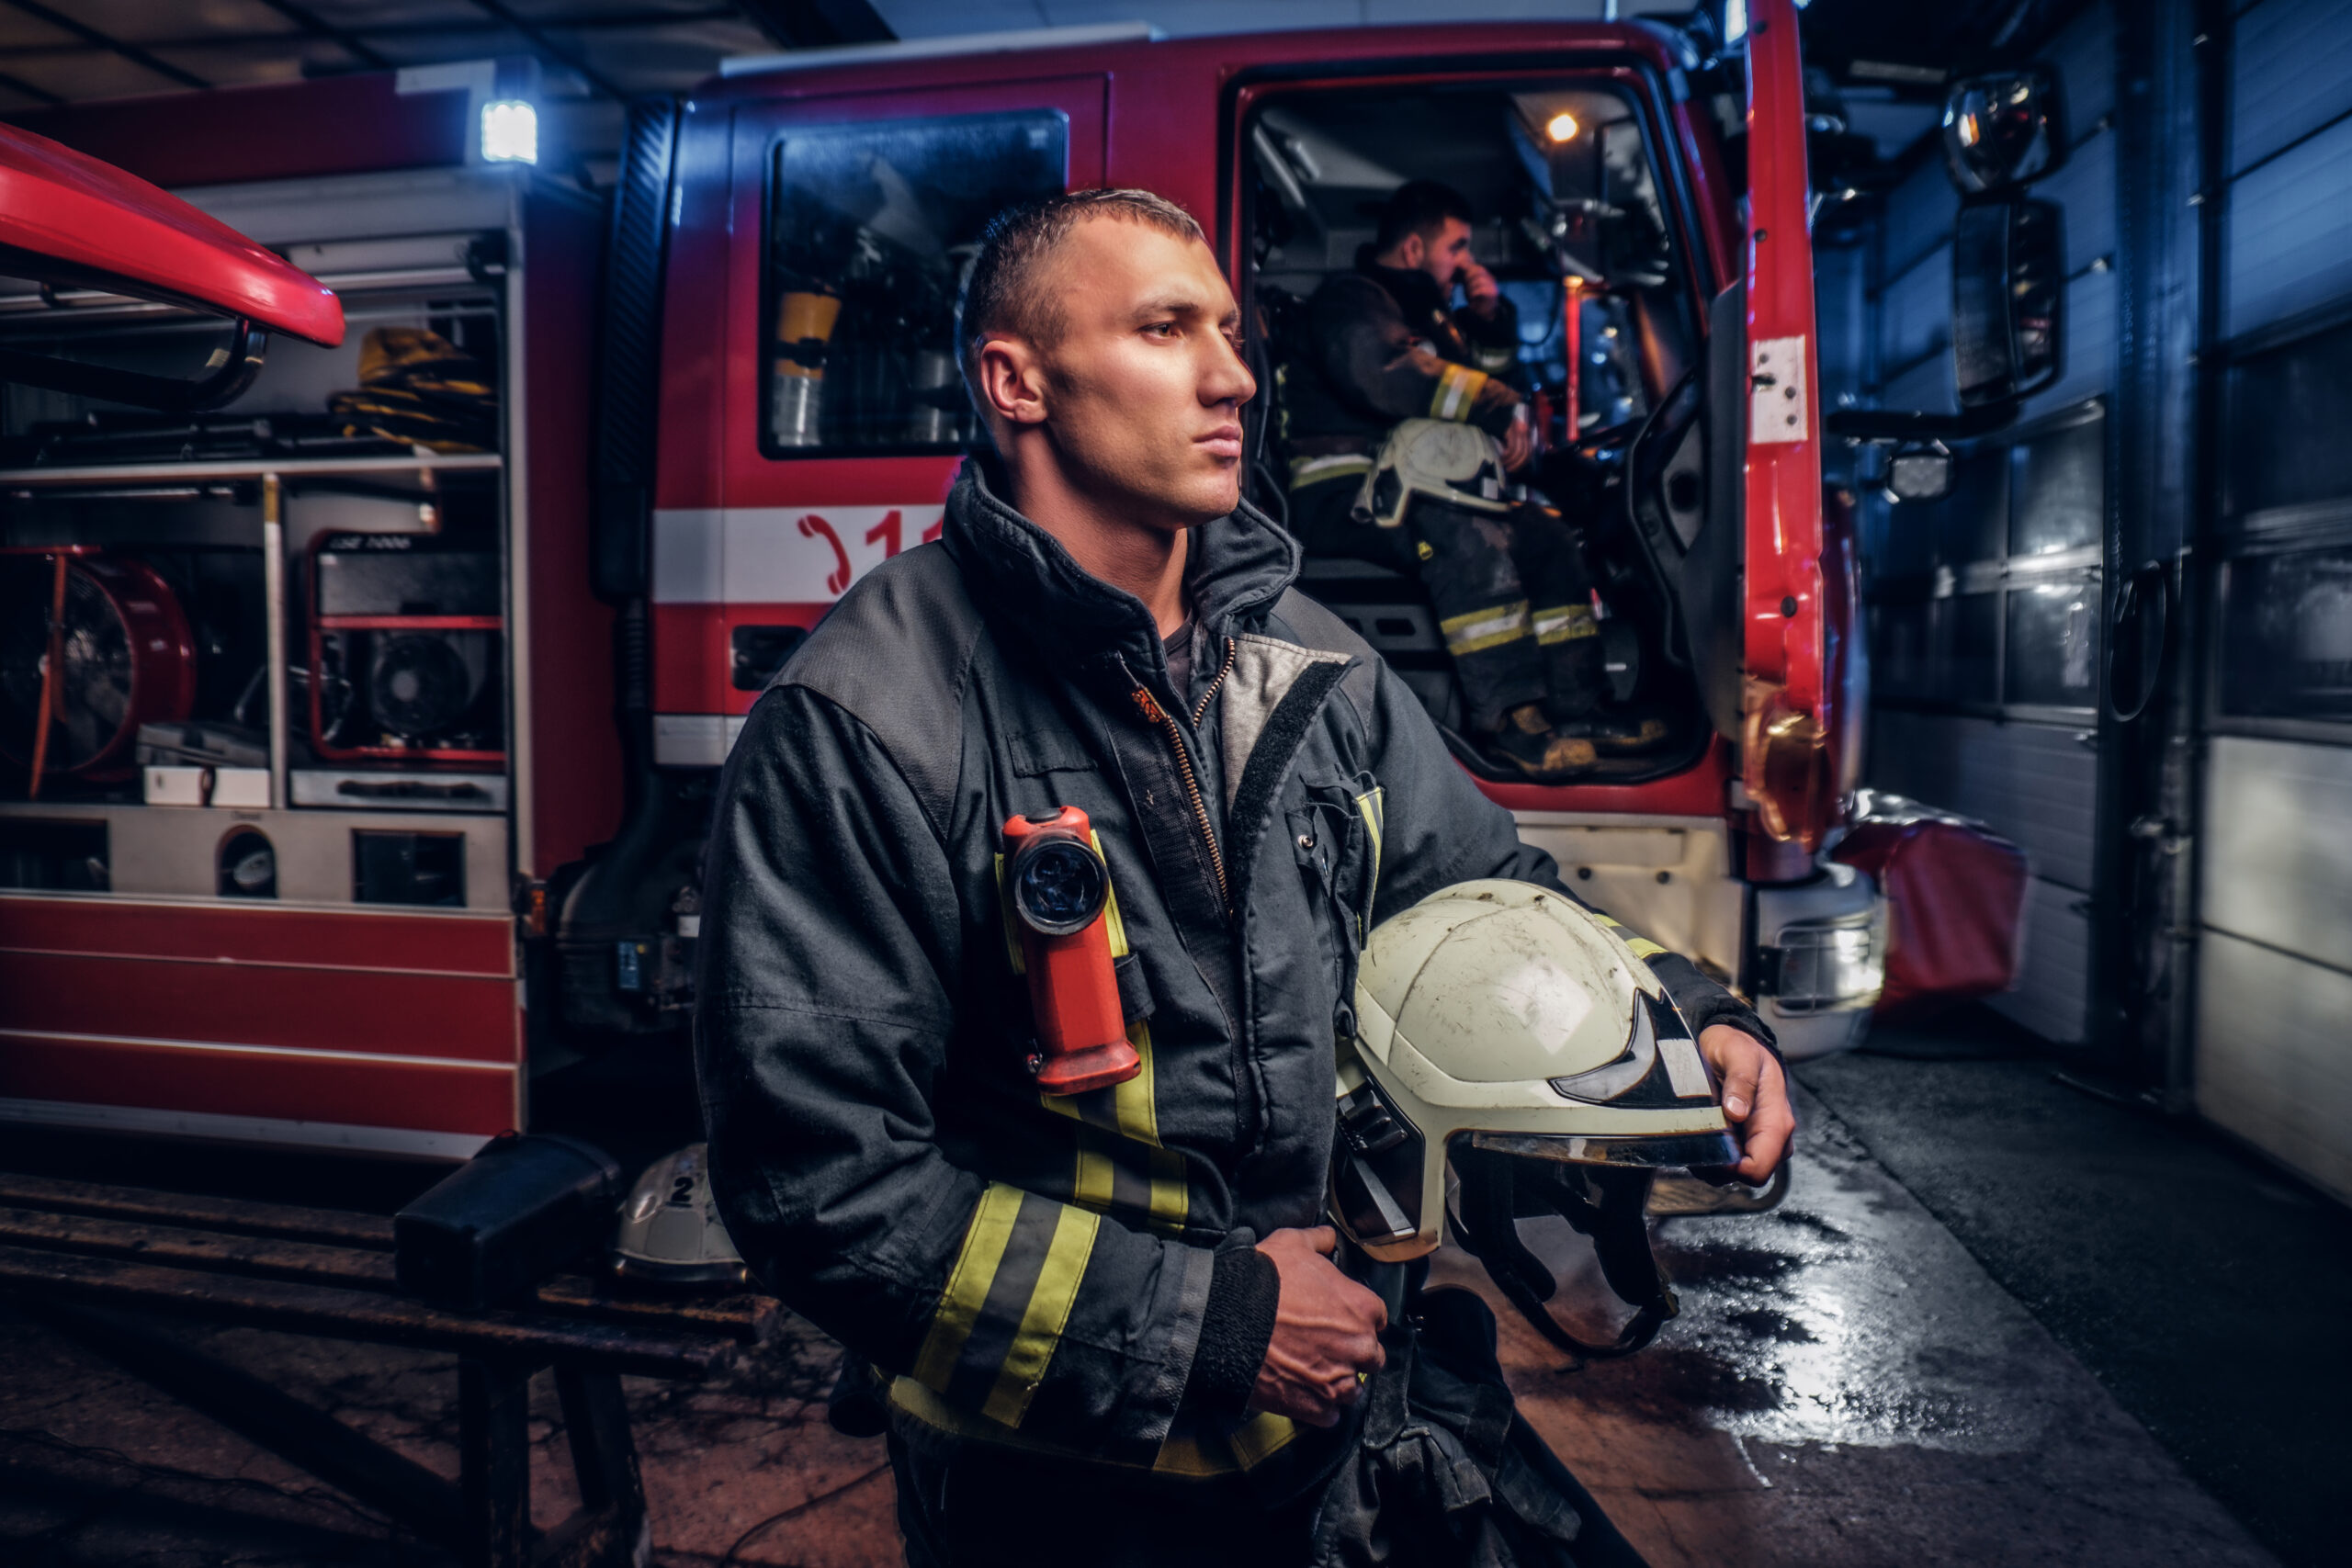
(101, 1262)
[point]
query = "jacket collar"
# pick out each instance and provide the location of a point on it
(1023, 578)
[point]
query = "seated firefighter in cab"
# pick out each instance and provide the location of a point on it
(1408, 427)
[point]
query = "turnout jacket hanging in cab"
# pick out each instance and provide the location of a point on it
(1035, 1271)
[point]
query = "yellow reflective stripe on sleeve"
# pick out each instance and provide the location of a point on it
(1372, 807)
(1643, 946)
(1042, 1320)
(1482, 629)
(968, 1285)
(1260, 1436)
(1457, 391)
(1565, 623)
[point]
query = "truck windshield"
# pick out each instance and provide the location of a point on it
(870, 229)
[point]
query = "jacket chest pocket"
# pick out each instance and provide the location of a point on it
(1335, 837)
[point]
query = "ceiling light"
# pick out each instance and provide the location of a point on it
(510, 131)
(1560, 127)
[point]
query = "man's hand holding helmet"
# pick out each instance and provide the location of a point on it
(1755, 1099)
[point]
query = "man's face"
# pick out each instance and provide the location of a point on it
(1442, 255)
(1143, 385)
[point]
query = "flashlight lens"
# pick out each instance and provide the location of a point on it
(1059, 886)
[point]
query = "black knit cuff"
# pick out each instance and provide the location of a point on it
(1237, 1326)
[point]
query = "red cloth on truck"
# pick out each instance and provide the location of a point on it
(1955, 894)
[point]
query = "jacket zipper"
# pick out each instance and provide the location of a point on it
(1231, 648)
(1154, 714)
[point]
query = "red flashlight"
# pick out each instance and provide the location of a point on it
(1059, 889)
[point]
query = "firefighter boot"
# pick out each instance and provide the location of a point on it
(1530, 744)
(1617, 733)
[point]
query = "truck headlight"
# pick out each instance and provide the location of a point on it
(1826, 965)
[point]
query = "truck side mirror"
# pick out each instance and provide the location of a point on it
(2003, 130)
(2008, 282)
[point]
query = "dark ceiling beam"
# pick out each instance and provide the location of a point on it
(813, 24)
(605, 21)
(349, 42)
(19, 84)
(532, 30)
(129, 51)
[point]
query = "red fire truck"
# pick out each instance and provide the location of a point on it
(412, 809)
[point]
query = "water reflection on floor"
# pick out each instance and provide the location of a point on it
(1846, 1386)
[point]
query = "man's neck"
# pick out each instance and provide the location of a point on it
(1143, 560)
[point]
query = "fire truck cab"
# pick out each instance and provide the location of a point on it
(808, 215)
(397, 674)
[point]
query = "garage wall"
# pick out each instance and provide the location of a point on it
(2272, 1060)
(1984, 608)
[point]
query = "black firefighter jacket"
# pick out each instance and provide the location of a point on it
(1035, 1271)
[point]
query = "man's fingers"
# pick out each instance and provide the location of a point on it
(1766, 1140)
(1324, 1239)
(1739, 1091)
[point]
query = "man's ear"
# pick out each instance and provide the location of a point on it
(1411, 251)
(1013, 382)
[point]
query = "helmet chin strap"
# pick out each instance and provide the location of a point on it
(1496, 1190)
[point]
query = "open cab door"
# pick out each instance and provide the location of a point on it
(1795, 604)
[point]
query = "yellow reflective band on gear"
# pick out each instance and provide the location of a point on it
(1172, 1201)
(1096, 1184)
(1458, 387)
(968, 1285)
(1483, 630)
(1565, 624)
(1305, 471)
(1115, 928)
(1372, 807)
(1643, 946)
(1040, 1322)
(1260, 1436)
(1011, 931)
(1131, 1112)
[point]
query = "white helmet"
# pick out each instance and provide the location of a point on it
(1509, 1027)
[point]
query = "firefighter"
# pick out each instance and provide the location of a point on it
(1108, 1326)
(1378, 356)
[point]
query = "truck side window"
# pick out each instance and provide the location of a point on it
(871, 229)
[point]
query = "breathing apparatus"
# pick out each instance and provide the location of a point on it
(1503, 1031)
(1057, 887)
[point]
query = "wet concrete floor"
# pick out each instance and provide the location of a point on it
(1846, 1385)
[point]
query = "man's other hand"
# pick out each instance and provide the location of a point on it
(1327, 1330)
(1755, 1100)
(1480, 284)
(1519, 444)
